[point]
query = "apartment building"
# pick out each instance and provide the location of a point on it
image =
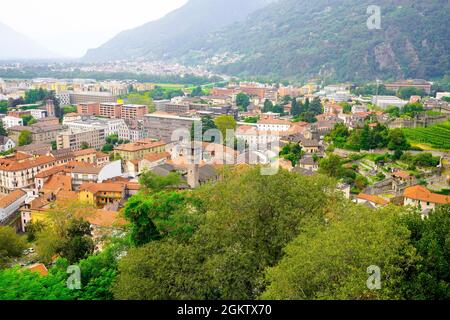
(137, 150)
(19, 171)
(415, 83)
(40, 133)
(38, 113)
(110, 110)
(11, 121)
(133, 111)
(110, 126)
(74, 140)
(162, 126)
(93, 97)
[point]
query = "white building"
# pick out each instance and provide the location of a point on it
(9, 122)
(111, 126)
(6, 144)
(441, 95)
(38, 113)
(388, 101)
(277, 125)
(10, 204)
(63, 98)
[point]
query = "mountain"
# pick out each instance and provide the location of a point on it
(330, 38)
(172, 35)
(16, 46)
(297, 39)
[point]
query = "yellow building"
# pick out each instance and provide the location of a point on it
(137, 150)
(101, 194)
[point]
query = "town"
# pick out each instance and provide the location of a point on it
(84, 140)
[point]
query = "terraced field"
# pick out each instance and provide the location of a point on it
(437, 136)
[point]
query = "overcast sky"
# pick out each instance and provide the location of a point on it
(70, 27)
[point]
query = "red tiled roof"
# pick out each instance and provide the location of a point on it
(423, 194)
(372, 198)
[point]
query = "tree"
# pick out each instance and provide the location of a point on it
(3, 131)
(331, 166)
(430, 277)
(207, 124)
(78, 243)
(27, 120)
(397, 140)
(84, 145)
(155, 183)
(339, 135)
(223, 123)
(248, 221)
(25, 138)
(315, 107)
(142, 99)
(292, 152)
(295, 108)
(407, 92)
(11, 245)
(268, 106)
(197, 92)
(330, 261)
(242, 101)
(107, 148)
(160, 215)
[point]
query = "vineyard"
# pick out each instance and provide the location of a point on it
(437, 136)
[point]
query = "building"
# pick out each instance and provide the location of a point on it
(414, 83)
(423, 199)
(10, 205)
(271, 124)
(19, 171)
(40, 133)
(388, 101)
(110, 110)
(110, 126)
(133, 111)
(74, 140)
(38, 113)
(372, 200)
(89, 108)
(37, 148)
(93, 97)
(9, 122)
(50, 108)
(6, 144)
(101, 194)
(162, 126)
(137, 150)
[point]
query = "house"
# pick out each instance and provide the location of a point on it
(38, 268)
(150, 160)
(137, 150)
(371, 200)
(101, 194)
(10, 205)
(6, 144)
(87, 155)
(310, 146)
(308, 163)
(423, 199)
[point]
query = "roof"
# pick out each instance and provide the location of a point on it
(107, 219)
(102, 187)
(275, 121)
(85, 152)
(136, 146)
(100, 154)
(86, 169)
(372, 198)
(156, 156)
(9, 199)
(307, 161)
(61, 182)
(402, 174)
(9, 165)
(423, 194)
(38, 268)
(309, 143)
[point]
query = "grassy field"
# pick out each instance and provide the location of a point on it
(436, 137)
